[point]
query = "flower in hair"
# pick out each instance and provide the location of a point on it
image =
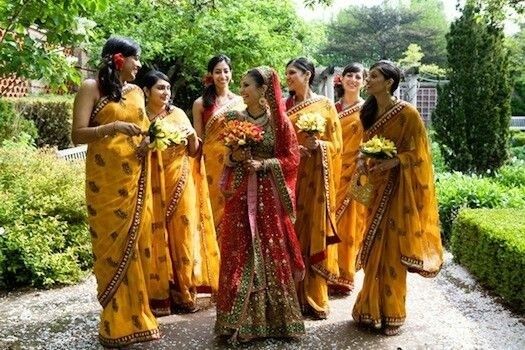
(207, 80)
(118, 60)
(338, 80)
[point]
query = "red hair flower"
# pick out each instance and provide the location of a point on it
(338, 80)
(118, 60)
(207, 80)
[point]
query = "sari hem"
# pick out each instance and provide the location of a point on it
(137, 337)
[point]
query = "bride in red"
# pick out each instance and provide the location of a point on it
(260, 254)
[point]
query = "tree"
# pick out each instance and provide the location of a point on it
(180, 40)
(367, 34)
(35, 32)
(517, 47)
(473, 112)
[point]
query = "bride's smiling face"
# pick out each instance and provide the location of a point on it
(249, 91)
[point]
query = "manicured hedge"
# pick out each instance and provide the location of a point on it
(456, 191)
(52, 116)
(491, 244)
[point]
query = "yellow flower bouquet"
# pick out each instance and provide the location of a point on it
(379, 147)
(164, 133)
(311, 123)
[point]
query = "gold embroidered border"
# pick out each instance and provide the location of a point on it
(103, 101)
(330, 277)
(304, 104)
(378, 322)
(416, 266)
(129, 339)
(218, 113)
(398, 106)
(282, 190)
(349, 111)
(378, 217)
(177, 192)
(326, 182)
(339, 212)
(113, 285)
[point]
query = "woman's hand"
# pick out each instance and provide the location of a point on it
(361, 166)
(384, 164)
(253, 165)
(142, 149)
(130, 129)
(240, 154)
(311, 142)
(298, 275)
(304, 151)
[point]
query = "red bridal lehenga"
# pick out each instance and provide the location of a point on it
(259, 248)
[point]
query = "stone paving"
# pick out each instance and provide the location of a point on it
(449, 312)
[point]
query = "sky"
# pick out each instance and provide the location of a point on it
(327, 13)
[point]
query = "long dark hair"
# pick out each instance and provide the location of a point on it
(351, 68)
(390, 71)
(210, 92)
(108, 80)
(151, 78)
(304, 65)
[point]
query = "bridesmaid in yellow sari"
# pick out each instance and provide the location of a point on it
(188, 256)
(402, 226)
(208, 120)
(316, 189)
(109, 116)
(349, 213)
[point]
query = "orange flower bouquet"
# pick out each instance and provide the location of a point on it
(239, 133)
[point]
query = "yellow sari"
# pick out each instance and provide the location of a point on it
(187, 257)
(119, 215)
(214, 152)
(316, 204)
(349, 213)
(402, 226)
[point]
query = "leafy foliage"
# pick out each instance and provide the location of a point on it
(491, 244)
(52, 116)
(456, 191)
(44, 238)
(36, 33)
(473, 111)
(367, 34)
(12, 125)
(179, 40)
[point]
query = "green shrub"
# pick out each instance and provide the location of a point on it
(45, 240)
(52, 116)
(512, 175)
(12, 125)
(456, 191)
(491, 244)
(517, 152)
(517, 138)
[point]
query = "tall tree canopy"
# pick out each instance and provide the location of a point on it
(180, 39)
(367, 34)
(473, 112)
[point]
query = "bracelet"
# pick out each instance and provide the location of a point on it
(114, 128)
(231, 159)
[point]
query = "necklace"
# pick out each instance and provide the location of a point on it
(152, 116)
(260, 120)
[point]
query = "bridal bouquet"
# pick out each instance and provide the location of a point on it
(311, 123)
(164, 133)
(239, 133)
(379, 147)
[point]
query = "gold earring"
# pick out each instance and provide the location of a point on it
(263, 102)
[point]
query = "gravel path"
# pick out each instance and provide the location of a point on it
(449, 312)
